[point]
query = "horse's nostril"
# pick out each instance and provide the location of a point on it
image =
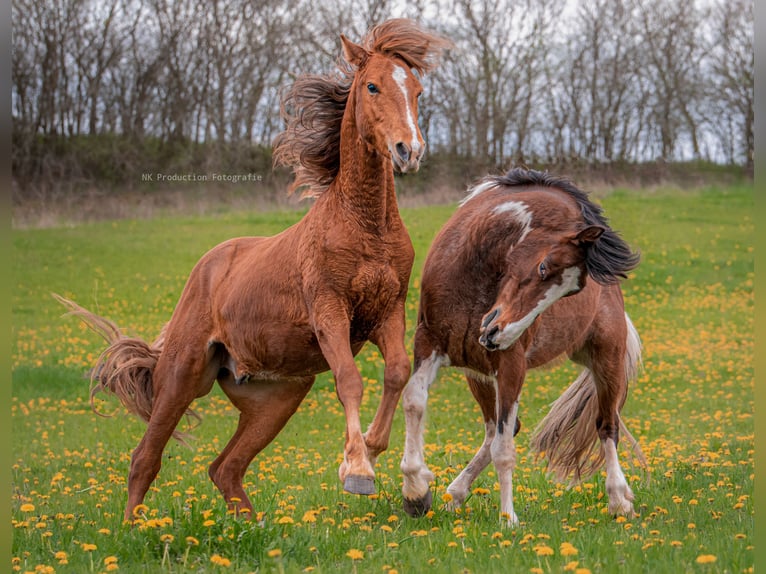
(491, 317)
(403, 150)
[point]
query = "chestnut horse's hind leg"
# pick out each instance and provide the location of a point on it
(390, 340)
(265, 407)
(415, 491)
(177, 381)
(484, 393)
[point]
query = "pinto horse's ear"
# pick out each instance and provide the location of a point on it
(588, 235)
(353, 53)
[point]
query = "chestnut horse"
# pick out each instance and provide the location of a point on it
(264, 315)
(504, 289)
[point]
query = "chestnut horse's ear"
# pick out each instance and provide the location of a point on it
(588, 235)
(353, 53)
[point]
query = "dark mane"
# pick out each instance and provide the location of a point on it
(610, 258)
(313, 106)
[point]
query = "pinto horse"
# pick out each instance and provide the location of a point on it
(504, 289)
(264, 315)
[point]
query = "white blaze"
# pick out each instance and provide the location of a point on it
(400, 76)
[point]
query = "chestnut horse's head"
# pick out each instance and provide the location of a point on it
(386, 93)
(386, 88)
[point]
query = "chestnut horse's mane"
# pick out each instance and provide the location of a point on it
(610, 258)
(313, 106)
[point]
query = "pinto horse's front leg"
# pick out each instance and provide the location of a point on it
(332, 332)
(415, 490)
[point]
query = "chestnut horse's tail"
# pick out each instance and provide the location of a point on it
(125, 367)
(568, 435)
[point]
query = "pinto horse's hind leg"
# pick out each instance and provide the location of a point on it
(484, 393)
(177, 380)
(611, 386)
(265, 407)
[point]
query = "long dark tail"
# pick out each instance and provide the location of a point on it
(126, 366)
(568, 436)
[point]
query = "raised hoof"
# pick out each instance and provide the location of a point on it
(419, 506)
(359, 485)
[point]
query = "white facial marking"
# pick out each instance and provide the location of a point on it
(512, 331)
(476, 190)
(519, 211)
(400, 76)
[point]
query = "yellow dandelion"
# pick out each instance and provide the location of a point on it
(61, 555)
(191, 541)
(112, 567)
(392, 518)
(86, 547)
(355, 554)
(567, 549)
(110, 560)
(582, 571)
(140, 509)
(286, 520)
(310, 516)
(386, 528)
(543, 550)
(104, 531)
(167, 538)
(569, 566)
(505, 543)
(393, 545)
(705, 559)
(536, 570)
(274, 553)
(219, 560)
(208, 523)
(28, 507)
(447, 498)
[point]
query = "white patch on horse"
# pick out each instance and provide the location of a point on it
(520, 213)
(476, 190)
(400, 76)
(569, 282)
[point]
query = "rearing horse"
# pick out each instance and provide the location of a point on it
(264, 315)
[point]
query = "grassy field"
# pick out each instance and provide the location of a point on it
(691, 409)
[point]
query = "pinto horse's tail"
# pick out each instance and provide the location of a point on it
(125, 367)
(568, 435)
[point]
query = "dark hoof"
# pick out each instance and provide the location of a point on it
(359, 485)
(419, 506)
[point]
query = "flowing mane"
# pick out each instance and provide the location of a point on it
(610, 258)
(313, 106)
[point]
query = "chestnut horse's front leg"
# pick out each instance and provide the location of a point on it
(389, 338)
(332, 327)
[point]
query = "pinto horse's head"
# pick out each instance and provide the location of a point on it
(386, 88)
(541, 270)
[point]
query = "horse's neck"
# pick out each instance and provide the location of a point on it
(365, 181)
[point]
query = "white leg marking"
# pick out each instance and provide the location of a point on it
(400, 76)
(512, 331)
(620, 494)
(504, 456)
(414, 399)
(462, 484)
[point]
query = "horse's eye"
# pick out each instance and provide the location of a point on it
(372, 88)
(542, 270)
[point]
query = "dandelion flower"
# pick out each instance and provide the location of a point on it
(28, 507)
(86, 547)
(543, 550)
(275, 553)
(355, 554)
(167, 538)
(219, 560)
(191, 541)
(705, 559)
(567, 549)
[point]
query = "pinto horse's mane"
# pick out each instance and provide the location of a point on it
(609, 258)
(313, 106)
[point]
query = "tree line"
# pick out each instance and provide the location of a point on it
(107, 91)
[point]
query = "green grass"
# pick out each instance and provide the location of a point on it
(692, 410)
